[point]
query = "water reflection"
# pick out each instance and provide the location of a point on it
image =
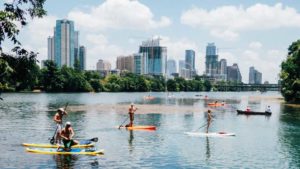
(289, 134)
(130, 139)
(207, 149)
(65, 161)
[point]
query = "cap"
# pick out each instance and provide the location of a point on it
(132, 104)
(68, 123)
(62, 110)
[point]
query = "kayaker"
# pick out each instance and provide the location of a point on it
(209, 118)
(67, 134)
(131, 111)
(58, 120)
(248, 109)
(269, 109)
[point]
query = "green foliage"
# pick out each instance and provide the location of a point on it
(15, 13)
(290, 74)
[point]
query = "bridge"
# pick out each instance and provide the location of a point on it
(249, 87)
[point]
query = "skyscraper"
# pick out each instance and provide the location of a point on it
(154, 57)
(138, 63)
(211, 63)
(234, 74)
(190, 59)
(82, 57)
(222, 69)
(125, 63)
(103, 65)
(255, 77)
(171, 67)
(51, 48)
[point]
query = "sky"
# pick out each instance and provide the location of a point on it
(249, 33)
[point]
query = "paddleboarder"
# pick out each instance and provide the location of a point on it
(269, 109)
(209, 119)
(58, 120)
(67, 134)
(131, 111)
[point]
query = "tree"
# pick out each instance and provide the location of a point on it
(51, 78)
(15, 13)
(290, 74)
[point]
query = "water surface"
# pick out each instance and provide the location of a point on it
(260, 142)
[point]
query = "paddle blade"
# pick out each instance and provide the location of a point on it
(94, 139)
(52, 140)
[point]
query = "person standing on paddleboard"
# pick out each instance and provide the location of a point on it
(209, 118)
(67, 134)
(131, 111)
(58, 120)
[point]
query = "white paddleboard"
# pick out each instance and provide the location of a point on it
(217, 134)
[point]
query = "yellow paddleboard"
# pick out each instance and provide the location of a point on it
(61, 151)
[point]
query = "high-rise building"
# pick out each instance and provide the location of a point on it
(51, 48)
(64, 43)
(171, 67)
(233, 73)
(154, 57)
(181, 64)
(125, 63)
(76, 45)
(222, 70)
(138, 64)
(103, 65)
(211, 63)
(82, 57)
(255, 77)
(190, 59)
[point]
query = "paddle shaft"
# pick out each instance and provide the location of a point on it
(123, 122)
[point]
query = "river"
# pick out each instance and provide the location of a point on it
(260, 142)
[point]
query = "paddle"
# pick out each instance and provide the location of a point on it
(123, 122)
(52, 140)
(88, 141)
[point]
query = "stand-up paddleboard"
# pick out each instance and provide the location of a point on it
(217, 134)
(62, 151)
(82, 144)
(139, 127)
(56, 146)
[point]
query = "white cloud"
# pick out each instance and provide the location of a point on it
(118, 14)
(255, 45)
(228, 21)
(98, 47)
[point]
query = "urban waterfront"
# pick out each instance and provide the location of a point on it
(260, 141)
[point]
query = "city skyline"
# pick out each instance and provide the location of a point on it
(188, 25)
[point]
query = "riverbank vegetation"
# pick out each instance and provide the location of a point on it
(290, 74)
(21, 73)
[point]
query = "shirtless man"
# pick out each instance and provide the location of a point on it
(131, 111)
(67, 134)
(58, 120)
(209, 118)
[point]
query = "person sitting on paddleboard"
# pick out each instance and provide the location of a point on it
(131, 111)
(58, 120)
(268, 109)
(67, 134)
(209, 118)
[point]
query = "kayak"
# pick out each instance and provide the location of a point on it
(82, 144)
(62, 151)
(216, 104)
(55, 146)
(217, 134)
(254, 113)
(139, 127)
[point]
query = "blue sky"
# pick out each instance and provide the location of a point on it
(250, 33)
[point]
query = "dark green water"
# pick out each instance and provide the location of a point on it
(260, 142)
